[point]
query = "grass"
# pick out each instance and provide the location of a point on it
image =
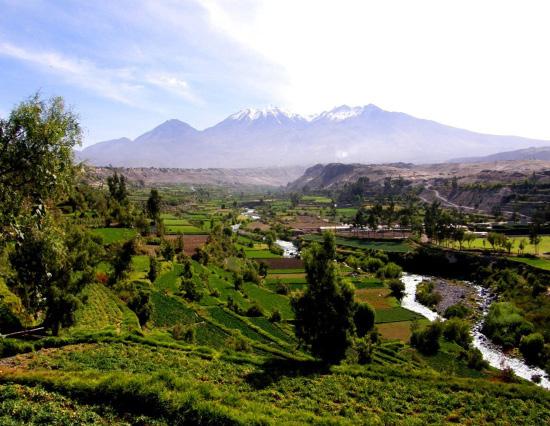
(367, 282)
(192, 386)
(260, 254)
(170, 280)
(396, 314)
(537, 263)
(378, 298)
(183, 230)
(544, 246)
(232, 321)
(21, 404)
(103, 311)
(114, 235)
(395, 330)
(389, 246)
(269, 300)
(286, 271)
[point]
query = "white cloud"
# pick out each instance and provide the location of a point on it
(479, 65)
(125, 85)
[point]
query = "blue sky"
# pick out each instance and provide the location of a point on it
(126, 66)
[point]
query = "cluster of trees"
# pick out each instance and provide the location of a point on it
(407, 216)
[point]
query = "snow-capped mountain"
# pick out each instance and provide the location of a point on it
(276, 137)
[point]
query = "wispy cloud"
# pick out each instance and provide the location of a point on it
(127, 85)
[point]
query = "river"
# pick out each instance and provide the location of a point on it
(492, 353)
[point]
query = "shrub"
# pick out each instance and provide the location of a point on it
(191, 290)
(364, 350)
(275, 316)
(141, 304)
(505, 325)
(255, 310)
(372, 264)
(281, 288)
(457, 330)
(397, 288)
(390, 270)
(458, 310)
(364, 319)
(426, 295)
(426, 340)
(532, 347)
(474, 359)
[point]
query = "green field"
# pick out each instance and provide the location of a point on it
(396, 314)
(390, 246)
(537, 263)
(189, 384)
(260, 254)
(114, 235)
(183, 230)
(103, 311)
(483, 244)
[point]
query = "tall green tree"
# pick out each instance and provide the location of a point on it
(325, 312)
(153, 204)
(36, 161)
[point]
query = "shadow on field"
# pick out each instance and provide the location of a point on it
(274, 370)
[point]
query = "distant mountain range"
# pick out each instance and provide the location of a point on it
(275, 137)
(532, 153)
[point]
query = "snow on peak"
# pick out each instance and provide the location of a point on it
(344, 112)
(250, 114)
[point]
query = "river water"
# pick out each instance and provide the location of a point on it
(492, 353)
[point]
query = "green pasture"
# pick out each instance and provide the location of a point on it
(114, 235)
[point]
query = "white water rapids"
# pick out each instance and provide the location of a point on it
(491, 352)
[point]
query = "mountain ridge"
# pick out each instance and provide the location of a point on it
(276, 137)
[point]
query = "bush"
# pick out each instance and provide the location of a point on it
(281, 288)
(426, 340)
(390, 270)
(364, 350)
(275, 316)
(372, 264)
(505, 325)
(532, 347)
(474, 359)
(141, 304)
(426, 295)
(181, 332)
(364, 319)
(255, 310)
(457, 311)
(191, 290)
(397, 288)
(457, 330)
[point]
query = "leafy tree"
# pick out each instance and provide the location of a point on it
(426, 340)
(505, 324)
(295, 199)
(457, 310)
(123, 259)
(532, 347)
(167, 250)
(275, 316)
(36, 162)
(457, 330)
(534, 237)
(325, 312)
(141, 304)
(117, 188)
(153, 269)
(153, 204)
(191, 290)
(396, 287)
(390, 270)
(363, 319)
